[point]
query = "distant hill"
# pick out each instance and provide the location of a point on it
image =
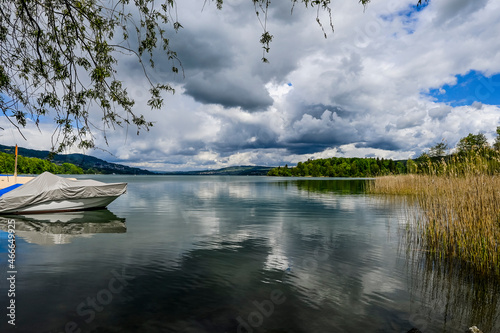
(89, 164)
(245, 170)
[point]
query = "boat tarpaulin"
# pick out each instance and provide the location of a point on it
(48, 187)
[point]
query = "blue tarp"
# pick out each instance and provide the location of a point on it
(8, 189)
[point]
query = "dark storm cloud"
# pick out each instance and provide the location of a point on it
(311, 129)
(202, 51)
(221, 68)
(332, 137)
(317, 110)
(215, 70)
(456, 11)
(284, 12)
(229, 90)
(155, 152)
(237, 136)
(306, 148)
(380, 144)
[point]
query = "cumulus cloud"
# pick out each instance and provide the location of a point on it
(439, 112)
(312, 134)
(229, 90)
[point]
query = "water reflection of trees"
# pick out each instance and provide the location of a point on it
(340, 186)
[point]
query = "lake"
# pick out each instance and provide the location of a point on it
(235, 254)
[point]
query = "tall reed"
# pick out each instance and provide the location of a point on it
(458, 211)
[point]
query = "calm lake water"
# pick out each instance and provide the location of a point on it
(234, 254)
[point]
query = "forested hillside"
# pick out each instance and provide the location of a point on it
(33, 165)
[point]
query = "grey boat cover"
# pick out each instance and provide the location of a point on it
(48, 187)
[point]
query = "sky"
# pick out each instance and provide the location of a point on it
(391, 81)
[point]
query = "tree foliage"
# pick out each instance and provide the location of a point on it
(496, 144)
(59, 57)
(32, 165)
(439, 149)
(472, 142)
(341, 167)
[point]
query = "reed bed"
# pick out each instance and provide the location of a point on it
(457, 216)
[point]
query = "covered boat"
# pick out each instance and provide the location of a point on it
(51, 193)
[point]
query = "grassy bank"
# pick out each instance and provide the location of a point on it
(457, 219)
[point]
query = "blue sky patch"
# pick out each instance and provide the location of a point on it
(414, 9)
(408, 16)
(471, 87)
(408, 12)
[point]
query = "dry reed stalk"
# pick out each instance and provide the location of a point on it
(459, 216)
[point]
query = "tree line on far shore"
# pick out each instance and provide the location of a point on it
(473, 154)
(341, 167)
(33, 165)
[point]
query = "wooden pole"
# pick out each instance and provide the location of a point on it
(15, 168)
